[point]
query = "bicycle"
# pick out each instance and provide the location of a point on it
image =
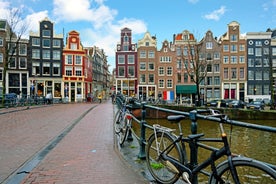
(167, 159)
(122, 121)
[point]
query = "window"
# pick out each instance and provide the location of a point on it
(22, 63)
(161, 71)
(186, 77)
(161, 83)
(142, 66)
(216, 68)
(36, 68)
(69, 59)
(209, 68)
(78, 71)
(68, 71)
(250, 62)
(151, 78)
(46, 33)
(273, 51)
(258, 75)
(78, 60)
(233, 48)
(35, 42)
(258, 43)
(242, 47)
(209, 45)
(35, 53)
(131, 71)
(151, 66)
(151, 54)
(169, 83)
(12, 48)
(233, 38)
(265, 62)
(46, 54)
(216, 55)
(225, 59)
(56, 43)
(143, 54)
(266, 51)
(250, 75)
(12, 63)
(250, 51)
(216, 80)
(185, 51)
(233, 59)
(179, 64)
(46, 43)
(258, 62)
(142, 78)
(208, 56)
(130, 59)
(242, 73)
(178, 51)
(73, 46)
(1, 41)
(56, 54)
(258, 51)
(121, 59)
(169, 71)
(56, 68)
(121, 71)
(46, 69)
(225, 48)
(23, 49)
(225, 73)
(1, 57)
(209, 80)
(242, 60)
(233, 73)
(266, 75)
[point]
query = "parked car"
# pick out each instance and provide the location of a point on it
(236, 104)
(212, 103)
(256, 105)
(225, 102)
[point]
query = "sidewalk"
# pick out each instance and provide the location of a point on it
(86, 155)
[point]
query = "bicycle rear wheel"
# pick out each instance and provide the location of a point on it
(158, 168)
(248, 171)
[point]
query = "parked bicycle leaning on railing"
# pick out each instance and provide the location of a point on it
(167, 161)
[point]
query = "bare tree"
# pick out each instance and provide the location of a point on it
(15, 29)
(195, 67)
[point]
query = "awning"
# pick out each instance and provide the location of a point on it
(186, 89)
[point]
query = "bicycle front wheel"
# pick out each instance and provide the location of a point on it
(124, 131)
(248, 171)
(118, 121)
(159, 168)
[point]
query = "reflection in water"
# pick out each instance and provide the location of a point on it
(248, 142)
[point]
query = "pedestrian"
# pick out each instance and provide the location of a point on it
(100, 98)
(49, 98)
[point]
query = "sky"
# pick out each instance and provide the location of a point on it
(99, 22)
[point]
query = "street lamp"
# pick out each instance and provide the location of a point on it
(128, 76)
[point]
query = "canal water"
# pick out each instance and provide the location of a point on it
(248, 142)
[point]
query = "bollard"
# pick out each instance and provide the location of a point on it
(193, 148)
(142, 153)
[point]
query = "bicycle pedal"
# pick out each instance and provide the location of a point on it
(185, 177)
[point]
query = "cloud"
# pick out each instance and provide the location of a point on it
(216, 14)
(83, 10)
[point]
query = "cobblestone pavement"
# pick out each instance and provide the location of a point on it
(84, 152)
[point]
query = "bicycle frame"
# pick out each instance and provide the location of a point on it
(194, 142)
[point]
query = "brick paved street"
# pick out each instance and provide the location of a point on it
(85, 155)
